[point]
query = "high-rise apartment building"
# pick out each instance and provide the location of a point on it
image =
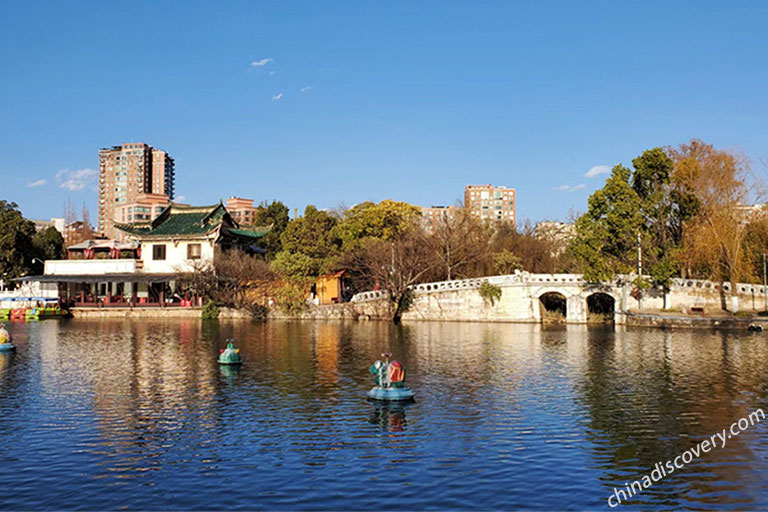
(163, 173)
(489, 203)
(434, 217)
(127, 171)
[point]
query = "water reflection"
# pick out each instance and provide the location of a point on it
(389, 417)
(107, 414)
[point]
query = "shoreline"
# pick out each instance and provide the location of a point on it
(336, 313)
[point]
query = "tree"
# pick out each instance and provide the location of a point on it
(606, 235)
(235, 279)
(274, 214)
(714, 238)
(458, 241)
(48, 244)
(535, 253)
(387, 220)
(295, 265)
(313, 236)
(504, 262)
(16, 248)
(395, 266)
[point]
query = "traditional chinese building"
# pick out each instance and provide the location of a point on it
(165, 248)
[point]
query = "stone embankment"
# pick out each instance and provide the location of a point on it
(144, 313)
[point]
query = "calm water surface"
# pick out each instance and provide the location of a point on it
(126, 414)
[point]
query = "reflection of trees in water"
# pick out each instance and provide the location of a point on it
(652, 395)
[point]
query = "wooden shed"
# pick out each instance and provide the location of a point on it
(330, 288)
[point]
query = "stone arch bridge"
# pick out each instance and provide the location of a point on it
(530, 297)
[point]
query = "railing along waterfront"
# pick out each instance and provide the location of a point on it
(554, 279)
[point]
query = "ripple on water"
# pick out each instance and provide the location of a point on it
(119, 414)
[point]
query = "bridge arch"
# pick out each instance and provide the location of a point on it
(601, 303)
(553, 304)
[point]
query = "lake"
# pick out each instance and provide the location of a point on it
(111, 414)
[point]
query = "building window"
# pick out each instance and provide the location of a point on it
(193, 251)
(158, 252)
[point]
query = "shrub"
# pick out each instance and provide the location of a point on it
(210, 311)
(490, 293)
(291, 297)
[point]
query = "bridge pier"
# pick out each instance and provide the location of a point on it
(576, 312)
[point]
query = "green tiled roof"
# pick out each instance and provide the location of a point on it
(180, 221)
(253, 233)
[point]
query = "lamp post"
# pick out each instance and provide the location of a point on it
(41, 262)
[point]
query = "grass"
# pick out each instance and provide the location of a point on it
(552, 316)
(599, 318)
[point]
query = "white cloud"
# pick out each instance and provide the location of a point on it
(76, 180)
(38, 183)
(597, 170)
(569, 188)
(277, 97)
(179, 199)
(261, 63)
(305, 89)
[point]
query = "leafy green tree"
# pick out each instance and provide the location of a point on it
(505, 262)
(312, 235)
(295, 265)
(387, 220)
(606, 235)
(274, 214)
(16, 248)
(48, 244)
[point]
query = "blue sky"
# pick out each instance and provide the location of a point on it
(340, 102)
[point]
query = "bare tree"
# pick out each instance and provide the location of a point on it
(457, 242)
(235, 279)
(395, 266)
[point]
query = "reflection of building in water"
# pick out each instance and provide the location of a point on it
(141, 380)
(327, 340)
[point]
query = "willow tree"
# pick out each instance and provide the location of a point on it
(714, 239)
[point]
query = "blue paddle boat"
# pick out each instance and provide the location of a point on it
(389, 377)
(230, 355)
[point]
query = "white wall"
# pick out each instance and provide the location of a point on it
(89, 267)
(175, 256)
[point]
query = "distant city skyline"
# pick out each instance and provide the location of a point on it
(348, 102)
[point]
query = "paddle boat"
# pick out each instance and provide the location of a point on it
(5, 340)
(389, 377)
(230, 355)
